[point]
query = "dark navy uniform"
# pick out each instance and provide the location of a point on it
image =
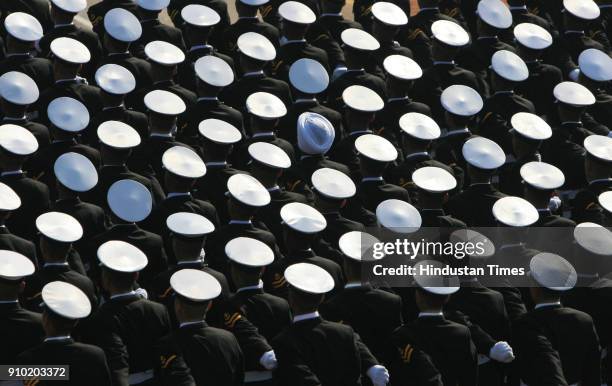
(449, 345)
(57, 272)
(474, 205)
(39, 69)
(186, 76)
(87, 362)
(153, 30)
(90, 216)
(212, 355)
(20, 330)
(317, 352)
(571, 333)
(37, 8)
(293, 50)
(139, 67)
(289, 122)
(97, 12)
(387, 121)
(363, 13)
(218, 35)
(352, 78)
(237, 93)
(36, 194)
(585, 206)
(538, 88)
(135, 119)
(249, 24)
(372, 312)
(40, 132)
(126, 328)
(136, 99)
(74, 88)
(11, 242)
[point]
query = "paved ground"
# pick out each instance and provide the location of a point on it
(347, 10)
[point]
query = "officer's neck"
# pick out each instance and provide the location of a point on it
(268, 180)
(327, 206)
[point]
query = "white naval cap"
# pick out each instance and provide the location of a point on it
(594, 238)
(248, 190)
(461, 100)
(18, 88)
(249, 252)
(75, 172)
(359, 40)
(256, 46)
(315, 134)
(308, 76)
(552, 271)
(483, 153)
(200, 15)
(605, 200)
(542, 176)
(195, 285)
(68, 114)
(269, 155)
(599, 147)
(464, 236)
(17, 140)
(582, 9)
(66, 300)
(309, 278)
(153, 5)
(376, 148)
(434, 179)
(398, 216)
(515, 212)
(183, 162)
(595, 65)
(361, 98)
(14, 266)
(402, 67)
(332, 183)
(509, 66)
(60, 227)
(129, 200)
(120, 256)
(302, 218)
(118, 135)
(265, 106)
(164, 102)
(389, 13)
(9, 199)
(296, 12)
(435, 284)
(189, 225)
(214, 71)
(533, 36)
(357, 246)
(218, 131)
(450, 33)
(122, 25)
(164, 53)
(495, 13)
(115, 79)
(574, 94)
(70, 50)
(254, 3)
(70, 6)
(531, 126)
(23, 26)
(419, 126)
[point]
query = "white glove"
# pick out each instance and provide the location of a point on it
(142, 293)
(573, 75)
(378, 375)
(338, 71)
(268, 360)
(501, 352)
(554, 203)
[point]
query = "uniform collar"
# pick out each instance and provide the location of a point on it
(305, 100)
(284, 41)
(12, 119)
(240, 222)
(208, 99)
(431, 314)
(258, 286)
(9, 301)
(178, 194)
(118, 107)
(62, 264)
(573, 32)
(11, 173)
(371, 179)
(194, 323)
(443, 63)
(398, 99)
(253, 73)
(353, 285)
(326, 14)
(123, 295)
(216, 163)
(201, 46)
(302, 317)
(263, 134)
(419, 154)
(275, 188)
(199, 261)
(57, 338)
(546, 305)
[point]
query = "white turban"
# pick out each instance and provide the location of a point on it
(315, 133)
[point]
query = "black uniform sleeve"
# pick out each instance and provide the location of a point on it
(170, 367)
(413, 367)
(292, 369)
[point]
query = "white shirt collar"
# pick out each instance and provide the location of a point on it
(421, 314)
(283, 41)
(241, 222)
(14, 118)
(56, 338)
(311, 315)
(183, 262)
(331, 14)
(9, 301)
(177, 194)
(304, 100)
(263, 134)
(443, 62)
(11, 172)
(122, 295)
(273, 189)
(185, 324)
(251, 287)
(198, 46)
(397, 99)
(253, 73)
(208, 99)
(540, 305)
(62, 264)
(161, 135)
(353, 285)
(366, 179)
(216, 163)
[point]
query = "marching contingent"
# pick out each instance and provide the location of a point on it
(187, 202)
